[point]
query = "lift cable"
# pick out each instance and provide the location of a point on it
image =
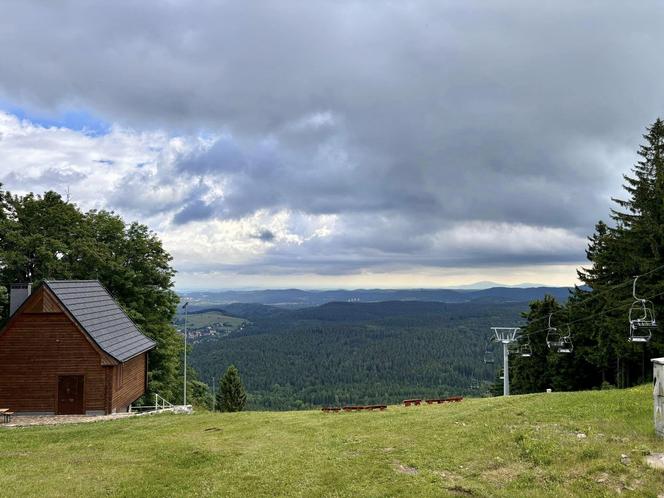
(589, 317)
(594, 295)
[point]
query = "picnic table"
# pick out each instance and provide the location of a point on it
(6, 414)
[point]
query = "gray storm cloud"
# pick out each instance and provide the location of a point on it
(407, 120)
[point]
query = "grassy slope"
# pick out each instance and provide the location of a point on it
(520, 446)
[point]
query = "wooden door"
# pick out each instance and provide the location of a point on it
(70, 395)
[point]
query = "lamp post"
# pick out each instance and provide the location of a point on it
(214, 398)
(185, 352)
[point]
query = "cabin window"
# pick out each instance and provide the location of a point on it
(118, 375)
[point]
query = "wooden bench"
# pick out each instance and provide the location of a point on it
(359, 408)
(451, 399)
(353, 408)
(328, 409)
(416, 402)
(6, 415)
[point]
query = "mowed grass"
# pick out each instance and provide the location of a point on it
(517, 446)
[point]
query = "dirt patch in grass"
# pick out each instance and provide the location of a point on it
(404, 469)
(31, 420)
(501, 475)
(460, 491)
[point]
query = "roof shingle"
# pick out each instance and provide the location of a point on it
(101, 317)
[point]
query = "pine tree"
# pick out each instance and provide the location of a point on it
(231, 396)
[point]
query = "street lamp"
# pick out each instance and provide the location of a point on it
(185, 351)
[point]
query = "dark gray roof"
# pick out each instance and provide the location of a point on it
(101, 317)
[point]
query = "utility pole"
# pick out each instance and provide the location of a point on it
(185, 352)
(506, 336)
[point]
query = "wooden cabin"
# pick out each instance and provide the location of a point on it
(69, 348)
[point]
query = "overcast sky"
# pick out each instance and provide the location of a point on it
(336, 143)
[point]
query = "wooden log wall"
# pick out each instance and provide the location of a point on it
(129, 384)
(34, 350)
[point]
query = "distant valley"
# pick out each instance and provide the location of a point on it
(355, 350)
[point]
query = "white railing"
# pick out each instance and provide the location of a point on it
(160, 404)
(164, 404)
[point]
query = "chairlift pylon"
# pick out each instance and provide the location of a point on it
(641, 318)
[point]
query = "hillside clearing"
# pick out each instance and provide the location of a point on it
(590, 443)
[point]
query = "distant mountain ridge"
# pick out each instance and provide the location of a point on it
(297, 298)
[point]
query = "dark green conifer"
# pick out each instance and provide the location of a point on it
(231, 396)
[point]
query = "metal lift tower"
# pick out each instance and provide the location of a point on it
(506, 335)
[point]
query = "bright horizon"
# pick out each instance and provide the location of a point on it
(425, 280)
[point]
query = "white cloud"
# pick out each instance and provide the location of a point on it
(136, 174)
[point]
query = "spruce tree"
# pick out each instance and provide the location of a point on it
(633, 246)
(231, 396)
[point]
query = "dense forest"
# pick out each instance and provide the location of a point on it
(356, 352)
(597, 316)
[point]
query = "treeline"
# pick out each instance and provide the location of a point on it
(632, 244)
(353, 353)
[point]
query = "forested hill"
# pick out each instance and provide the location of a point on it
(302, 298)
(356, 352)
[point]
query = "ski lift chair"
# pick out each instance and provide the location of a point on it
(526, 351)
(513, 348)
(489, 358)
(566, 345)
(641, 318)
(560, 342)
(523, 349)
(553, 337)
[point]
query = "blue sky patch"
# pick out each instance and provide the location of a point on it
(72, 119)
